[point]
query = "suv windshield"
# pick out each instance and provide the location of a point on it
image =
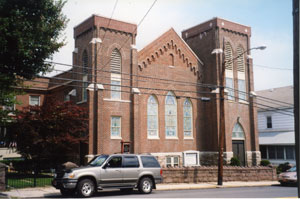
(98, 161)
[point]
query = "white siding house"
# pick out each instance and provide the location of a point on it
(276, 125)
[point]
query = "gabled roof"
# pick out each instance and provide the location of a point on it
(169, 40)
(282, 94)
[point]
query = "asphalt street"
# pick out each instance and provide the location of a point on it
(242, 192)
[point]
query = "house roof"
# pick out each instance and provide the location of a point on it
(268, 138)
(282, 97)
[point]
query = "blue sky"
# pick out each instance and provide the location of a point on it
(271, 23)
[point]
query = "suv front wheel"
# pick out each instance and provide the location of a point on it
(86, 188)
(145, 185)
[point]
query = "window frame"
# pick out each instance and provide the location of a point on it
(185, 117)
(172, 161)
(156, 118)
(119, 127)
(30, 100)
(168, 108)
(269, 123)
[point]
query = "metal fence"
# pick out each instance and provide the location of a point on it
(15, 180)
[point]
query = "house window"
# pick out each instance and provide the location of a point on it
(171, 116)
(152, 117)
(34, 100)
(187, 119)
(269, 122)
(290, 152)
(172, 161)
(277, 152)
(115, 127)
(85, 84)
(115, 68)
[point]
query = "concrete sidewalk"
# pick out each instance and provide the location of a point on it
(52, 192)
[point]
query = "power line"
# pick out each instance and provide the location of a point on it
(133, 31)
(180, 82)
(146, 88)
(116, 2)
(273, 68)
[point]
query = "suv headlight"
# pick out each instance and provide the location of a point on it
(70, 175)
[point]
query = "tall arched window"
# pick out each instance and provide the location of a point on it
(115, 68)
(187, 119)
(241, 73)
(229, 70)
(152, 117)
(85, 75)
(171, 116)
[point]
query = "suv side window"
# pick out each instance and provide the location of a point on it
(115, 162)
(149, 161)
(130, 162)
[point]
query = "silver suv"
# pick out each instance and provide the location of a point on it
(118, 171)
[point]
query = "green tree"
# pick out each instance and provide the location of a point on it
(30, 32)
(50, 133)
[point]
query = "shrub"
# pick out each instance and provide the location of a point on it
(235, 161)
(283, 167)
(265, 163)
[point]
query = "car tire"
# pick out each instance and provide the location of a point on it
(86, 188)
(145, 185)
(66, 192)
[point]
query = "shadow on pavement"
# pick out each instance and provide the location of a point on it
(99, 194)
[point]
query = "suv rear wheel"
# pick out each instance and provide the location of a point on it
(86, 188)
(145, 185)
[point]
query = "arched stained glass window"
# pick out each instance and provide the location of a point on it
(238, 132)
(171, 115)
(187, 119)
(152, 117)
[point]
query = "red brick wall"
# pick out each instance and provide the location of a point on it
(203, 39)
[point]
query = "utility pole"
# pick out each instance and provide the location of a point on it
(222, 123)
(94, 41)
(222, 104)
(296, 85)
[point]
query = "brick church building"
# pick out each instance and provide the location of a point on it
(164, 99)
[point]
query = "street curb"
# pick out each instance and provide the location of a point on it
(187, 187)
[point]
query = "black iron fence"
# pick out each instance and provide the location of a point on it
(15, 180)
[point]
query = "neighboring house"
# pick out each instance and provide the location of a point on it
(164, 114)
(276, 125)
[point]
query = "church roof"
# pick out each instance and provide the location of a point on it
(169, 40)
